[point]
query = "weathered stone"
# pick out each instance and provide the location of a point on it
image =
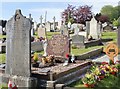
(64, 30)
(37, 46)
(42, 32)
(58, 46)
(18, 46)
(88, 28)
(94, 28)
(78, 41)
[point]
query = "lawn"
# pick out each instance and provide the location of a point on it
(2, 58)
(2, 36)
(112, 35)
(111, 82)
(83, 50)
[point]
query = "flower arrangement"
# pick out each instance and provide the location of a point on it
(89, 80)
(35, 57)
(99, 72)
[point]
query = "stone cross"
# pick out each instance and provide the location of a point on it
(30, 17)
(41, 20)
(18, 46)
(32, 29)
(54, 23)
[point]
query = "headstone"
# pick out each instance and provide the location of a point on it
(37, 46)
(1, 30)
(2, 46)
(93, 28)
(54, 23)
(42, 32)
(64, 30)
(76, 31)
(99, 30)
(48, 26)
(32, 29)
(58, 46)
(18, 46)
(78, 41)
(88, 28)
(41, 21)
(35, 25)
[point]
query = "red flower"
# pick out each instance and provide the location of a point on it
(103, 63)
(67, 55)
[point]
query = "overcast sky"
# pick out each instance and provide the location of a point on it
(53, 7)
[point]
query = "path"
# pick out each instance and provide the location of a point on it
(104, 58)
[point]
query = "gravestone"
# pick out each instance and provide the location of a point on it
(18, 53)
(42, 32)
(99, 29)
(88, 28)
(78, 41)
(2, 46)
(64, 30)
(93, 28)
(76, 30)
(35, 25)
(1, 30)
(41, 21)
(54, 23)
(32, 29)
(18, 45)
(48, 26)
(37, 46)
(58, 46)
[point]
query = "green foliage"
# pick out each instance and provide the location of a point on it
(116, 22)
(35, 57)
(2, 58)
(111, 12)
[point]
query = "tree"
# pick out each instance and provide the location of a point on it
(102, 18)
(111, 12)
(67, 14)
(107, 10)
(77, 15)
(83, 13)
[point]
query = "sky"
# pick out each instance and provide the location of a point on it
(53, 7)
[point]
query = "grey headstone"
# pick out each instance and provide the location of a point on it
(18, 46)
(64, 30)
(78, 40)
(1, 30)
(76, 30)
(42, 32)
(48, 26)
(88, 28)
(58, 45)
(37, 46)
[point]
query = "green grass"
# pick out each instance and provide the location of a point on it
(83, 50)
(2, 36)
(2, 58)
(50, 34)
(112, 82)
(3, 86)
(112, 35)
